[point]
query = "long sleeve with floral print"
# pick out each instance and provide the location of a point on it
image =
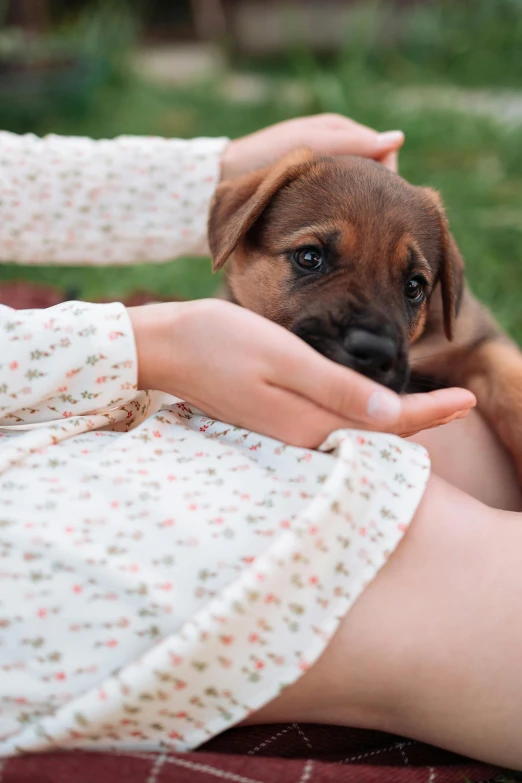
(67, 200)
(68, 360)
(75, 200)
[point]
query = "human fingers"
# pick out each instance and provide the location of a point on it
(432, 409)
(354, 397)
(391, 161)
(356, 140)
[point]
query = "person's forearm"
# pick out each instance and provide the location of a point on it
(66, 200)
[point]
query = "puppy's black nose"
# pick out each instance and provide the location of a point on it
(372, 354)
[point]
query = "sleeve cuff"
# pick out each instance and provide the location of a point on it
(72, 359)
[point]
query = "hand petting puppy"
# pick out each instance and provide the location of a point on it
(326, 134)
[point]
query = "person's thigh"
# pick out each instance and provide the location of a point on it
(432, 648)
(468, 454)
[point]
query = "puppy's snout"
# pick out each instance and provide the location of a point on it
(371, 354)
(365, 341)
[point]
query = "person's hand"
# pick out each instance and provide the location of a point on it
(242, 369)
(327, 134)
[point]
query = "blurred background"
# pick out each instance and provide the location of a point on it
(447, 72)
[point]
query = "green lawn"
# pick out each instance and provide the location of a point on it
(475, 163)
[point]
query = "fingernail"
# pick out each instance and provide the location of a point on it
(390, 138)
(383, 406)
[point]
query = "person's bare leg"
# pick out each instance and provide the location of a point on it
(469, 455)
(432, 648)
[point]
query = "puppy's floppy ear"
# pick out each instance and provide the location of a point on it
(451, 268)
(238, 203)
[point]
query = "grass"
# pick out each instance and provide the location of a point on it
(474, 162)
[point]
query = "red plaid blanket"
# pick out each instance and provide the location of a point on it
(291, 753)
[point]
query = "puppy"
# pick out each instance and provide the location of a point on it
(362, 266)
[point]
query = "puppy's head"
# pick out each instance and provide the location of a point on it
(342, 252)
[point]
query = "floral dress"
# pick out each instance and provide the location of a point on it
(162, 574)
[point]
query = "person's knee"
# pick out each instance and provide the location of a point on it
(467, 454)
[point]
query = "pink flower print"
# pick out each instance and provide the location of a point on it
(13, 366)
(226, 640)
(167, 586)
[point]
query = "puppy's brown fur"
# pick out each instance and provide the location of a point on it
(374, 234)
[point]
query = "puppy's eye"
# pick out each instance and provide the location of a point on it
(310, 259)
(415, 289)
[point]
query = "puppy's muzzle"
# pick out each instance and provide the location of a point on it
(374, 355)
(371, 345)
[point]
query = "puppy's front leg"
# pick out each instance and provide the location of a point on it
(484, 360)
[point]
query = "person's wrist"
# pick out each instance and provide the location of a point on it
(167, 337)
(231, 160)
(154, 327)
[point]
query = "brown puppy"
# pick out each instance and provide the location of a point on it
(362, 266)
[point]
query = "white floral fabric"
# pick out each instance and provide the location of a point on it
(161, 574)
(118, 201)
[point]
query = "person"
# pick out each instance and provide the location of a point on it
(205, 522)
